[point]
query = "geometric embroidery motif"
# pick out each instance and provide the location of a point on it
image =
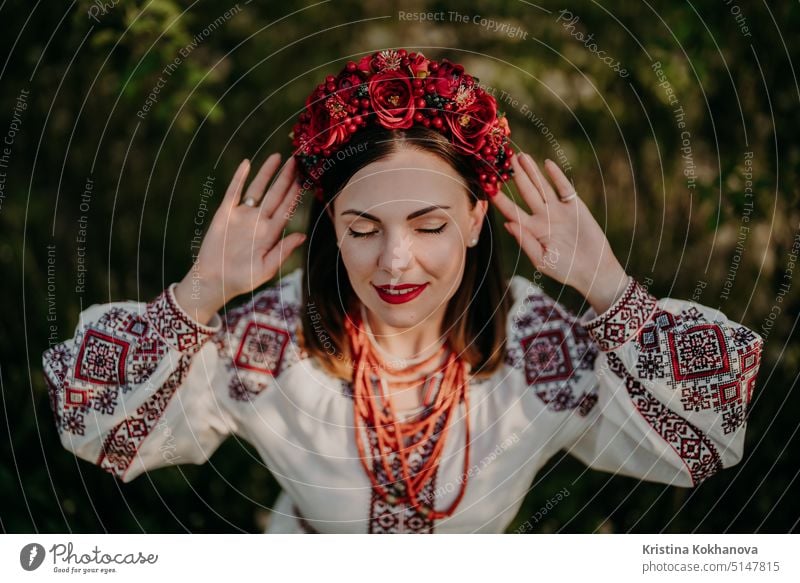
(555, 352)
(697, 451)
(546, 357)
(174, 325)
(650, 365)
(101, 359)
(261, 348)
(387, 518)
(625, 318)
(123, 441)
(258, 340)
(697, 352)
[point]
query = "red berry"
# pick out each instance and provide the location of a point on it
(352, 128)
(402, 52)
(357, 119)
(365, 103)
(486, 150)
(426, 122)
(419, 92)
(351, 66)
(331, 87)
(483, 177)
(420, 103)
(404, 62)
(437, 122)
(433, 66)
(418, 117)
(504, 176)
(417, 83)
(430, 87)
(330, 79)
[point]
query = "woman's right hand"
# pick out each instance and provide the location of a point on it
(242, 249)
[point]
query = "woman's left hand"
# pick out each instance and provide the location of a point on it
(561, 237)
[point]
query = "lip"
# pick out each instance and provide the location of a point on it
(403, 298)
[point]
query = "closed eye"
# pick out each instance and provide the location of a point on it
(435, 231)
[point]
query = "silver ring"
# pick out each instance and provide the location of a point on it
(569, 196)
(251, 202)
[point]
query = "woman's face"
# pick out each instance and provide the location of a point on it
(406, 219)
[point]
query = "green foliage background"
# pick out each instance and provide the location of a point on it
(237, 94)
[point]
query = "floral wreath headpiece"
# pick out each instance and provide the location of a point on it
(396, 89)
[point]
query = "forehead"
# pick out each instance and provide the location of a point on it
(405, 180)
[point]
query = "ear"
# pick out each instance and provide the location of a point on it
(477, 216)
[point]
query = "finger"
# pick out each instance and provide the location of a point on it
(529, 244)
(532, 168)
(564, 186)
(281, 251)
(287, 206)
(508, 208)
(232, 195)
(279, 189)
(259, 183)
(530, 192)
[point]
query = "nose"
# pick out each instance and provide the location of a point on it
(396, 255)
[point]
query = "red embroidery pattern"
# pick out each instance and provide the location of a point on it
(556, 353)
(123, 441)
(258, 340)
(713, 366)
(626, 316)
(114, 354)
(385, 518)
(695, 449)
(174, 325)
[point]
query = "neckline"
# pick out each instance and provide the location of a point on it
(388, 357)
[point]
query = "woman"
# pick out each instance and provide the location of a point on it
(396, 382)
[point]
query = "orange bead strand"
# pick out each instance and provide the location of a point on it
(392, 434)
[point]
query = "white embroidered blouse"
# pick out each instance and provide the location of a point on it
(657, 389)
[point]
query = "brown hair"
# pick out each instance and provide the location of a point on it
(475, 316)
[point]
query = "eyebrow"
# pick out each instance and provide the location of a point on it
(413, 215)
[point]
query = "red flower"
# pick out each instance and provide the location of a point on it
(470, 124)
(448, 78)
(347, 85)
(365, 65)
(419, 66)
(392, 99)
(327, 112)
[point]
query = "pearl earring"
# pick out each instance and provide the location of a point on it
(473, 242)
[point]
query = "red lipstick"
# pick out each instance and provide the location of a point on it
(407, 292)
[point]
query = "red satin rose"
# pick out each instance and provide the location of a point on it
(327, 112)
(448, 78)
(469, 125)
(392, 99)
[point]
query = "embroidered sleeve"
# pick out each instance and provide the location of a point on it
(671, 385)
(142, 386)
(130, 387)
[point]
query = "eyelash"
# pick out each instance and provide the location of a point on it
(435, 231)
